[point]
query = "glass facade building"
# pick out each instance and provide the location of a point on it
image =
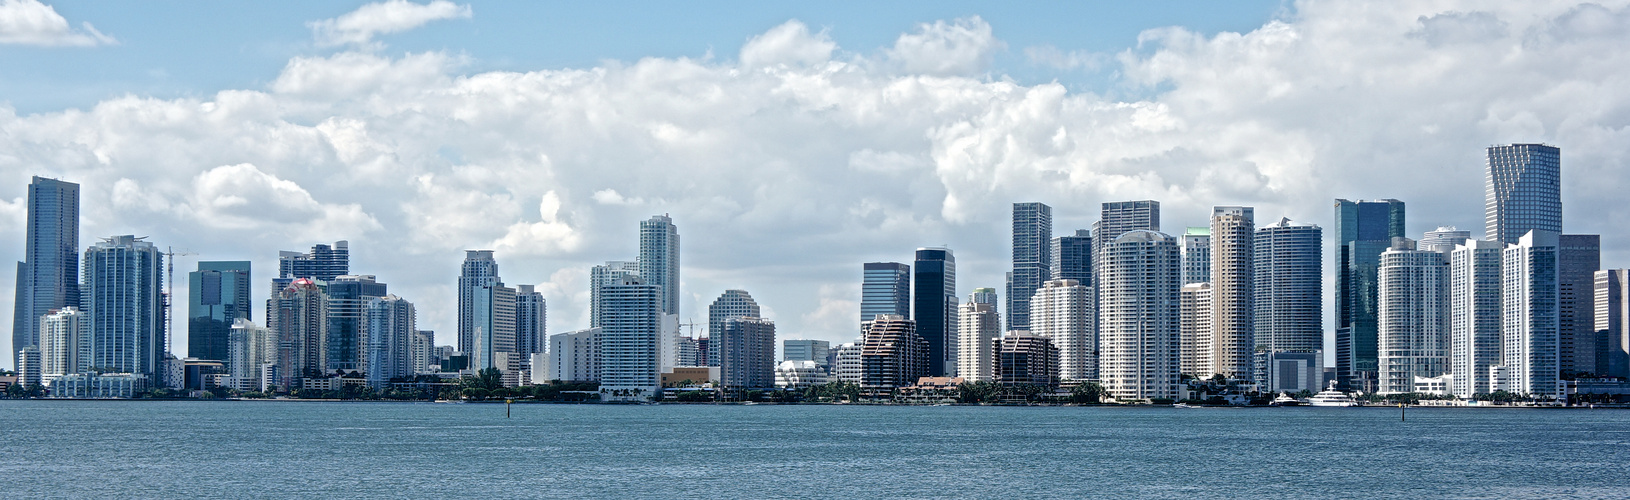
(934, 307)
(218, 296)
(885, 288)
(1363, 230)
(1032, 261)
(48, 277)
(1522, 191)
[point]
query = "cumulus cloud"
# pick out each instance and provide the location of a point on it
(243, 197)
(359, 27)
(29, 22)
(962, 47)
(788, 44)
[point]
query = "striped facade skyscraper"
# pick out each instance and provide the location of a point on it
(1522, 191)
(48, 276)
(659, 259)
(1288, 299)
(1139, 316)
(1529, 357)
(885, 288)
(1474, 321)
(1232, 240)
(1064, 312)
(1032, 261)
(1413, 320)
(123, 296)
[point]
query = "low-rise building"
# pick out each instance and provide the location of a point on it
(799, 374)
(99, 385)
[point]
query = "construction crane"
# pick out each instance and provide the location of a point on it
(169, 293)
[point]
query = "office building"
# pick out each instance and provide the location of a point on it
(1579, 256)
(1139, 316)
(1413, 321)
(531, 324)
(1523, 191)
(1194, 330)
(123, 297)
(1032, 264)
(730, 304)
(218, 296)
(1232, 286)
(347, 308)
(1063, 311)
(806, 350)
(934, 307)
(479, 270)
(1287, 296)
(575, 356)
(978, 325)
(1612, 309)
(1443, 240)
(891, 355)
(1197, 255)
(630, 354)
(747, 353)
(1363, 230)
(611, 272)
(63, 344)
(48, 276)
(298, 319)
(1025, 359)
(885, 289)
(1474, 318)
(659, 259)
(392, 324)
(1072, 257)
(1531, 313)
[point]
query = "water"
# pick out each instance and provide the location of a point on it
(327, 449)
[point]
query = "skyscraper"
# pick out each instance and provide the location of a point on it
(1194, 339)
(1529, 327)
(1612, 309)
(1197, 255)
(392, 323)
(479, 270)
(1413, 321)
(600, 276)
(1444, 239)
(494, 331)
(48, 277)
(324, 262)
(885, 288)
(218, 296)
(978, 324)
(1287, 295)
(531, 320)
(1523, 191)
(1138, 313)
(659, 259)
(891, 355)
(297, 317)
(1363, 230)
(1032, 264)
(1474, 320)
(1064, 312)
(1231, 290)
(730, 304)
(1117, 218)
(64, 346)
(347, 299)
(250, 349)
(629, 344)
(934, 308)
(1579, 256)
(747, 353)
(1072, 257)
(123, 296)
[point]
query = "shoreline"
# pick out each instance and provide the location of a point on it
(736, 403)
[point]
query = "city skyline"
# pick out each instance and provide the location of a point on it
(344, 172)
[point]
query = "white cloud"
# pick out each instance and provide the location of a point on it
(358, 27)
(960, 48)
(788, 44)
(29, 22)
(1052, 57)
(243, 197)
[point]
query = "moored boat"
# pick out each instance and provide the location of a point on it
(1331, 397)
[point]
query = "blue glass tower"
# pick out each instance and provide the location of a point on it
(218, 295)
(48, 277)
(935, 307)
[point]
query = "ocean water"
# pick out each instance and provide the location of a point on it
(146, 449)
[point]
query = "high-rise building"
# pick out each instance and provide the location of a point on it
(1523, 191)
(1197, 255)
(494, 331)
(1117, 218)
(123, 297)
(1139, 316)
(609, 273)
(891, 355)
(1579, 256)
(847, 365)
(392, 324)
(730, 304)
(1025, 359)
(1612, 309)
(323, 263)
(1529, 328)
(1443, 240)
(1063, 311)
(298, 319)
(806, 350)
(1363, 230)
(1287, 296)
(218, 296)
(1413, 321)
(659, 259)
(630, 354)
(1232, 285)
(934, 308)
(347, 308)
(422, 350)
(63, 344)
(1194, 338)
(1474, 318)
(1032, 264)
(250, 350)
(48, 276)
(885, 288)
(531, 324)
(575, 356)
(747, 353)
(978, 324)
(1072, 257)
(478, 270)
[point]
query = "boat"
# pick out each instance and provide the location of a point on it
(1184, 405)
(1285, 400)
(1331, 397)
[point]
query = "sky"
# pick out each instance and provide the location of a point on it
(790, 142)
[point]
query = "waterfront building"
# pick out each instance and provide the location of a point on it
(1474, 317)
(603, 275)
(1529, 326)
(1523, 191)
(1287, 290)
(1197, 255)
(422, 349)
(1025, 359)
(218, 296)
(659, 259)
(123, 297)
(1612, 309)
(799, 374)
(575, 356)
(531, 325)
(934, 307)
(847, 365)
(103, 385)
(64, 344)
(392, 324)
(1363, 230)
(1232, 291)
(978, 325)
(347, 309)
(479, 270)
(250, 349)
(629, 340)
(1291, 371)
(747, 353)
(819, 351)
(28, 366)
(730, 304)
(1032, 264)
(1063, 311)
(1194, 338)
(1444, 239)
(298, 319)
(1579, 256)
(493, 322)
(1072, 257)
(1413, 321)
(48, 276)
(891, 355)
(885, 288)
(1139, 316)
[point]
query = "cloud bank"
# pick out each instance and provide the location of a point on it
(29, 22)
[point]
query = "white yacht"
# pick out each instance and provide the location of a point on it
(1331, 397)
(1284, 399)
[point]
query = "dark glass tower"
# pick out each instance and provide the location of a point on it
(1032, 262)
(1072, 257)
(1523, 191)
(348, 298)
(1579, 256)
(935, 307)
(48, 277)
(218, 295)
(1363, 230)
(885, 288)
